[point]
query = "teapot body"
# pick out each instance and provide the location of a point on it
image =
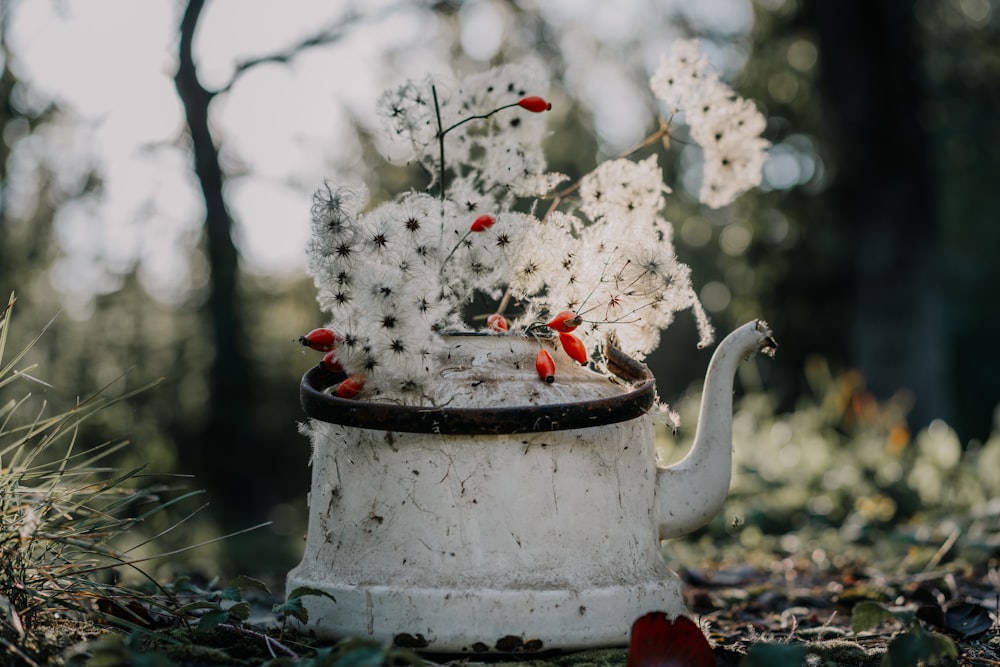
(486, 543)
(539, 538)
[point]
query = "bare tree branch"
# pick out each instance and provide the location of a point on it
(329, 35)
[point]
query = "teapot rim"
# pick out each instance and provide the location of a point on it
(498, 420)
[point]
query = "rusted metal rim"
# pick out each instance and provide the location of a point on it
(326, 407)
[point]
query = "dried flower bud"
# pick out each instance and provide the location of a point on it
(534, 104)
(320, 339)
(496, 322)
(482, 223)
(574, 347)
(545, 366)
(351, 386)
(331, 364)
(564, 322)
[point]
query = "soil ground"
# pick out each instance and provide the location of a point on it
(788, 602)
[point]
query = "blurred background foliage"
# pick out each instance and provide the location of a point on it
(869, 249)
(842, 483)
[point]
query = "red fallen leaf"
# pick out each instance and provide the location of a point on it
(657, 641)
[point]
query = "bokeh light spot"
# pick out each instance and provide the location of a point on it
(735, 239)
(696, 231)
(802, 55)
(482, 30)
(715, 296)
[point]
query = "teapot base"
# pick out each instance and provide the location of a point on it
(485, 620)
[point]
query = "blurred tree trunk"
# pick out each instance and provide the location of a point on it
(27, 238)
(227, 437)
(884, 197)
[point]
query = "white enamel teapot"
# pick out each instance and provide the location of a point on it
(515, 515)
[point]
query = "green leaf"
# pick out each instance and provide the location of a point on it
(198, 604)
(775, 655)
(183, 584)
(303, 591)
(918, 646)
(240, 610)
(905, 615)
(212, 619)
(292, 607)
(867, 615)
(228, 593)
(244, 582)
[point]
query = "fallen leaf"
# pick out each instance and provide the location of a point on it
(657, 641)
(968, 620)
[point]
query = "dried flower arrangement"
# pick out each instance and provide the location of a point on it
(597, 267)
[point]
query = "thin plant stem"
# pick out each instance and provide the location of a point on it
(443, 131)
(477, 117)
(661, 133)
(453, 250)
(440, 136)
(504, 301)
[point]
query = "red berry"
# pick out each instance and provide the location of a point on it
(565, 321)
(545, 366)
(351, 386)
(320, 339)
(482, 223)
(496, 322)
(534, 104)
(331, 364)
(574, 347)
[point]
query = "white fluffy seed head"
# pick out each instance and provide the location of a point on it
(395, 276)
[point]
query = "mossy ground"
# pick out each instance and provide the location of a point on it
(791, 602)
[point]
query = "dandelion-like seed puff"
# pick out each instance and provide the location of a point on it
(726, 126)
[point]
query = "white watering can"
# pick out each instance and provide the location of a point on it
(516, 516)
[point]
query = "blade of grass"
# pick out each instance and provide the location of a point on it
(5, 370)
(4, 323)
(175, 552)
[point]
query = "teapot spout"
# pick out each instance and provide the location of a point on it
(691, 492)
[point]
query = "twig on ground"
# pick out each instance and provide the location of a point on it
(944, 549)
(270, 642)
